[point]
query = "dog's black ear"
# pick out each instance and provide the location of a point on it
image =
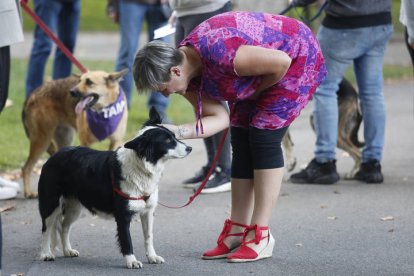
(154, 117)
(135, 143)
(141, 145)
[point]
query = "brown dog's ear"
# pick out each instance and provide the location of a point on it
(115, 76)
(76, 75)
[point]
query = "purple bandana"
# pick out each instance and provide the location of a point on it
(105, 121)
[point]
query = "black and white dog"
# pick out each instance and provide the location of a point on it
(119, 183)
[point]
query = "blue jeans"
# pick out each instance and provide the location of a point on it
(131, 18)
(63, 19)
(364, 47)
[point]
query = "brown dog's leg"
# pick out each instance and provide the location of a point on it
(38, 146)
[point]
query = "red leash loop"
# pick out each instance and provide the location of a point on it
(59, 43)
(198, 191)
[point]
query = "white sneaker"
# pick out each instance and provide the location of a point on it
(7, 183)
(7, 193)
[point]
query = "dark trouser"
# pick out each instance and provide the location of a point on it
(4, 74)
(410, 50)
(255, 149)
(184, 26)
(1, 243)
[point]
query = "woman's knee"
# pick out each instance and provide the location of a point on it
(266, 148)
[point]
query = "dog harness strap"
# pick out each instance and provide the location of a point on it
(125, 196)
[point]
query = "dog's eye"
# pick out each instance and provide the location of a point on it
(169, 140)
(89, 82)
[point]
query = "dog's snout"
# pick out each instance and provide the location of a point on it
(75, 93)
(188, 149)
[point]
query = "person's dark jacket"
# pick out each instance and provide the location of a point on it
(342, 14)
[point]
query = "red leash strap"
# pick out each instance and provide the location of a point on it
(198, 191)
(124, 195)
(52, 36)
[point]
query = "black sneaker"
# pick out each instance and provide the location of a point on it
(370, 172)
(317, 173)
(218, 182)
(191, 182)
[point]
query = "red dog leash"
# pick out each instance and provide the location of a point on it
(198, 191)
(59, 43)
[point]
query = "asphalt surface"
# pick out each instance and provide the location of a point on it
(349, 228)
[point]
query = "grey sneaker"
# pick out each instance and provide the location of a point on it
(192, 182)
(218, 182)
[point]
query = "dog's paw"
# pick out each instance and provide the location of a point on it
(30, 195)
(132, 262)
(47, 257)
(71, 253)
(155, 259)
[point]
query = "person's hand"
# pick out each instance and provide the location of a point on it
(173, 18)
(112, 13)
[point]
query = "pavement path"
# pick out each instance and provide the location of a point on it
(350, 228)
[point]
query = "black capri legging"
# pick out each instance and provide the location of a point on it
(255, 149)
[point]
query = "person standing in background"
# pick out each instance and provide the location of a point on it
(186, 16)
(130, 15)
(62, 18)
(407, 19)
(356, 33)
(10, 33)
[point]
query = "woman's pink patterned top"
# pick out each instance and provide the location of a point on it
(217, 39)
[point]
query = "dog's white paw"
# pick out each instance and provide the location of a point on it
(47, 257)
(155, 259)
(132, 262)
(71, 253)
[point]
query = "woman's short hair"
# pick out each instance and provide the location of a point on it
(152, 64)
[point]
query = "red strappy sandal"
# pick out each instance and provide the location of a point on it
(264, 248)
(221, 250)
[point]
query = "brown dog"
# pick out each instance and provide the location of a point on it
(92, 104)
(349, 121)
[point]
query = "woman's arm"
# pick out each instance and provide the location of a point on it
(215, 118)
(271, 64)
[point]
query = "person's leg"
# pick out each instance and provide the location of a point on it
(155, 18)
(221, 178)
(4, 75)
(369, 76)
(410, 50)
(242, 197)
(338, 59)
(1, 244)
(47, 10)
(131, 16)
(267, 159)
(67, 29)
(338, 50)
